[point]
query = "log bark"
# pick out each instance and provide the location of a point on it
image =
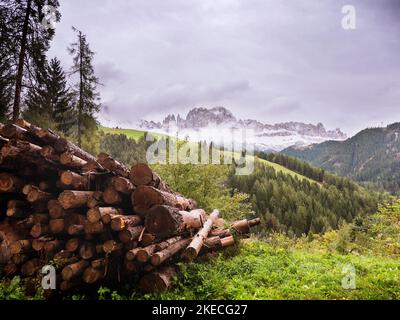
(87, 250)
(70, 160)
(113, 165)
(75, 180)
(243, 226)
(144, 254)
(96, 200)
(92, 275)
(10, 183)
(112, 197)
(123, 185)
(39, 230)
(145, 197)
(73, 244)
(94, 228)
(48, 152)
(112, 246)
(63, 145)
(57, 225)
(142, 175)
(74, 199)
(76, 229)
(130, 233)
(36, 195)
(30, 267)
(21, 246)
(103, 213)
(120, 222)
(157, 281)
(195, 246)
(165, 221)
(38, 244)
(74, 270)
(161, 256)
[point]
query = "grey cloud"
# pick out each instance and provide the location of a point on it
(266, 59)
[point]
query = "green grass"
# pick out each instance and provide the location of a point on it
(280, 168)
(130, 133)
(263, 271)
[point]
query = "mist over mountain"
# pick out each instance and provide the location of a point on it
(209, 123)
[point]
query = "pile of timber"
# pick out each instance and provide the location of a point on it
(93, 218)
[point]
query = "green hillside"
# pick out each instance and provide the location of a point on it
(372, 155)
(137, 135)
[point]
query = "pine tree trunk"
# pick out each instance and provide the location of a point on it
(21, 61)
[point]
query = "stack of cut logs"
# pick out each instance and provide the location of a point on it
(93, 218)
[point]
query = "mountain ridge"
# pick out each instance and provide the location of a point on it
(268, 136)
(372, 155)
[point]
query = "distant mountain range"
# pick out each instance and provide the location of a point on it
(268, 137)
(372, 155)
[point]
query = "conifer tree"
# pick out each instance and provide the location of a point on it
(88, 99)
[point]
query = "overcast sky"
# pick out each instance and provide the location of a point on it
(270, 60)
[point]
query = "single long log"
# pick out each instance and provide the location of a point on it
(157, 281)
(63, 145)
(195, 246)
(70, 160)
(74, 199)
(161, 256)
(164, 221)
(113, 165)
(167, 242)
(243, 226)
(145, 197)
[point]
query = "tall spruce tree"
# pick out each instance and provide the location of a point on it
(6, 74)
(28, 40)
(88, 99)
(49, 103)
